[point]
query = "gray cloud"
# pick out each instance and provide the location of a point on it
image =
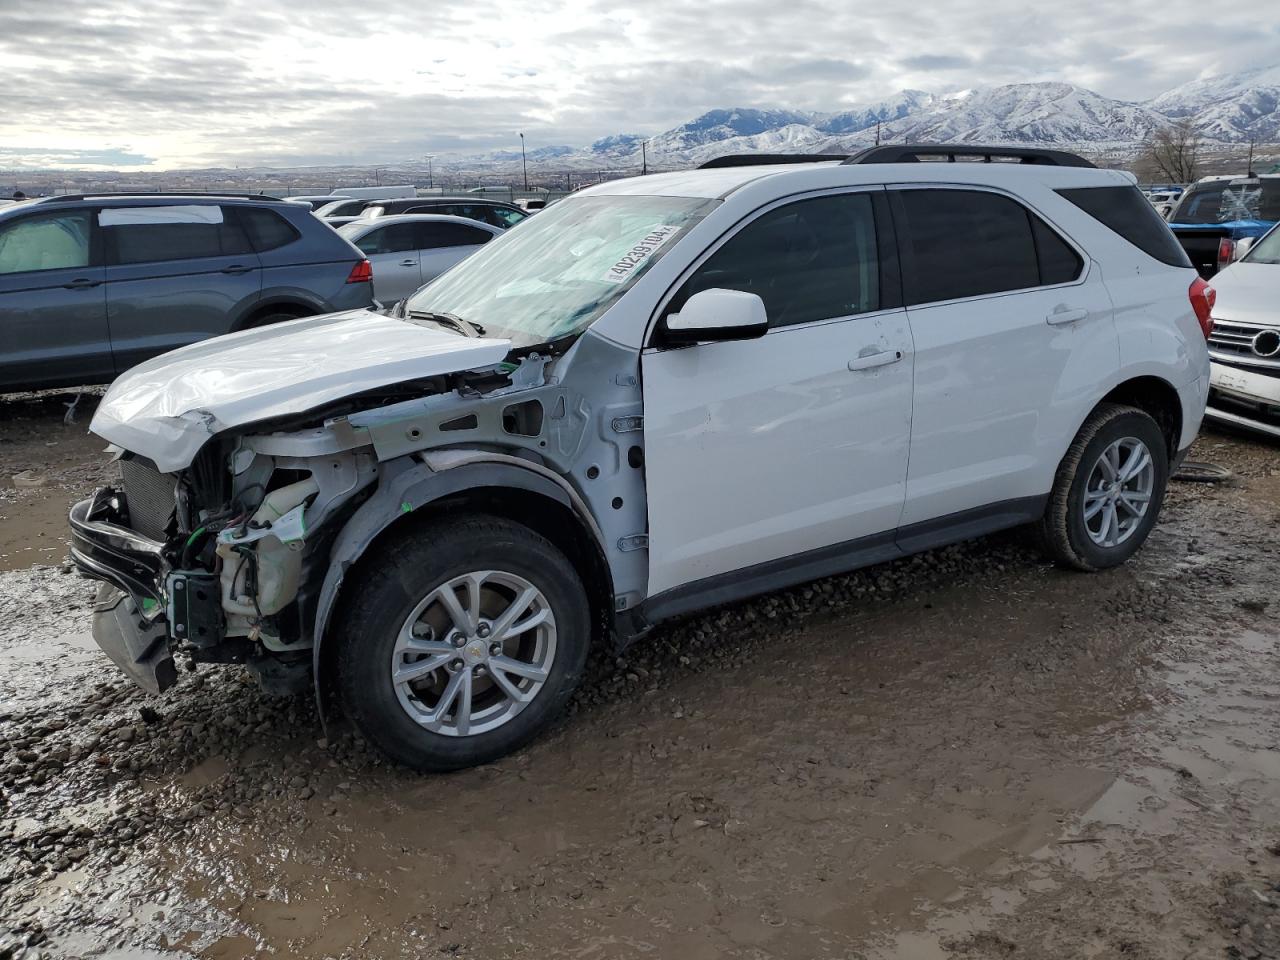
(273, 82)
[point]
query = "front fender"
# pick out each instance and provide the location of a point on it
(410, 482)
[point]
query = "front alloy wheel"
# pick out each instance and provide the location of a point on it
(459, 640)
(474, 653)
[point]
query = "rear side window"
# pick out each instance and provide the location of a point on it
(267, 230)
(396, 238)
(54, 242)
(810, 260)
(1058, 262)
(449, 235)
(158, 234)
(1124, 210)
(963, 243)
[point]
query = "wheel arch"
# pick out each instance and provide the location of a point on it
(414, 491)
(1156, 397)
(294, 306)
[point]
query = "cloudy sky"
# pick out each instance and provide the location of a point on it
(156, 84)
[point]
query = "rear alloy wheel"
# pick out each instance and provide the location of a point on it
(1108, 490)
(459, 641)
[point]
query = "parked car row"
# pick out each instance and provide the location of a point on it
(660, 395)
(92, 285)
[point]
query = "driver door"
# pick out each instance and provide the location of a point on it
(784, 458)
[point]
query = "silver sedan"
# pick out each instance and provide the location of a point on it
(411, 249)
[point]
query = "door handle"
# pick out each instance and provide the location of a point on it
(1066, 315)
(236, 268)
(81, 283)
(408, 263)
(880, 358)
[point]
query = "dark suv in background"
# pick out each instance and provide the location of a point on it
(92, 285)
(493, 212)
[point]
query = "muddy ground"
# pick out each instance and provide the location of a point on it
(969, 754)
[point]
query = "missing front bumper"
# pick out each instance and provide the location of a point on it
(138, 647)
(126, 622)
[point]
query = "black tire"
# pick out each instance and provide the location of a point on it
(391, 582)
(1062, 531)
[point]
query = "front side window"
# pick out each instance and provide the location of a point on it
(968, 243)
(810, 260)
(53, 242)
(162, 233)
(564, 268)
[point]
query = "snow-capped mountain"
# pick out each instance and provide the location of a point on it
(1236, 107)
(1027, 113)
(1225, 109)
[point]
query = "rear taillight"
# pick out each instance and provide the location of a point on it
(362, 272)
(1226, 252)
(1203, 298)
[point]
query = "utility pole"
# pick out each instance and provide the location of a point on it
(1248, 167)
(524, 163)
(430, 184)
(644, 157)
(877, 133)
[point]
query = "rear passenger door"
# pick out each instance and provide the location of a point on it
(441, 245)
(53, 314)
(393, 252)
(175, 275)
(1013, 332)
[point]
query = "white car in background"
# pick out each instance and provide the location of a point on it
(1244, 346)
(411, 249)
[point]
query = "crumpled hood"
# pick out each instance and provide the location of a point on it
(1248, 293)
(165, 409)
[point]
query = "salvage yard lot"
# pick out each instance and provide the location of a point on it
(965, 754)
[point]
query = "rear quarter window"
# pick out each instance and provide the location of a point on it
(266, 229)
(1126, 212)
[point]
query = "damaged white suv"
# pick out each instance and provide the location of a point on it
(659, 395)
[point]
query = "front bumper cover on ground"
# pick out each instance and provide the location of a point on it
(126, 622)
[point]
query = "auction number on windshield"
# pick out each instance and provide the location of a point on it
(644, 248)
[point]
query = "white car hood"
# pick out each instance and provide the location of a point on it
(1248, 293)
(165, 409)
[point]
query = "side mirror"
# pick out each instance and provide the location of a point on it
(718, 314)
(1243, 246)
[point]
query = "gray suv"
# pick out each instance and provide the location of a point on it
(92, 285)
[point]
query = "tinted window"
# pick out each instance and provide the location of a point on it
(504, 217)
(449, 235)
(965, 244)
(58, 242)
(155, 234)
(810, 260)
(1124, 210)
(267, 230)
(1223, 201)
(397, 238)
(1058, 262)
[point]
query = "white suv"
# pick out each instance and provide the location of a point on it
(659, 395)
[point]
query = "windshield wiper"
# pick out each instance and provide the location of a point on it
(450, 320)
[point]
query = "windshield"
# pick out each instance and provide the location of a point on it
(1227, 200)
(562, 269)
(1266, 250)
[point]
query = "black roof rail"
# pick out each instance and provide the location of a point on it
(912, 152)
(135, 194)
(763, 159)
